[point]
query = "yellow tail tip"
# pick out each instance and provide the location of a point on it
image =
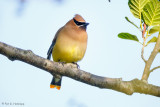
(58, 87)
(52, 86)
(55, 86)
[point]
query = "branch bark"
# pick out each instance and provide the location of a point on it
(142, 51)
(70, 70)
(149, 62)
(154, 69)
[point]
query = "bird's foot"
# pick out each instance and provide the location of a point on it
(62, 63)
(76, 65)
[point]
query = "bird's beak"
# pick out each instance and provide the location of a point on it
(86, 24)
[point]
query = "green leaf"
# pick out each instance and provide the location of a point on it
(128, 36)
(136, 7)
(151, 13)
(154, 39)
(154, 29)
(131, 22)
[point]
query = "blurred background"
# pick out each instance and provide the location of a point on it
(32, 24)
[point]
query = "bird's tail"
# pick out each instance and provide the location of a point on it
(56, 82)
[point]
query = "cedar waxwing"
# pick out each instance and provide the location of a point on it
(69, 45)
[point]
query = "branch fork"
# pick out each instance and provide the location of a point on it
(149, 62)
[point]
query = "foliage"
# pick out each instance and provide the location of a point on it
(151, 13)
(148, 12)
(154, 29)
(131, 22)
(154, 39)
(128, 36)
(136, 7)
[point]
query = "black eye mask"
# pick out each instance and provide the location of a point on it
(79, 23)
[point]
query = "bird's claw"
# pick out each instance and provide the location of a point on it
(76, 65)
(62, 63)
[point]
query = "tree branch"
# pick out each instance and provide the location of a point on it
(154, 69)
(70, 70)
(142, 51)
(151, 59)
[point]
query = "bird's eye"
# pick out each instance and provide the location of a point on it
(78, 23)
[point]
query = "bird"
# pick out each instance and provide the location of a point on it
(69, 45)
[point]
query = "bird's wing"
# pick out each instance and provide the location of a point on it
(49, 53)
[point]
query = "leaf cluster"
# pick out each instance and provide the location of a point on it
(148, 13)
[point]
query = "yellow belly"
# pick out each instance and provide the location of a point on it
(71, 52)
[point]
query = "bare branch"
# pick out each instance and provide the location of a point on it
(151, 59)
(70, 70)
(142, 51)
(154, 69)
(144, 42)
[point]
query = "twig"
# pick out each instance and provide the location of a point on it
(154, 69)
(142, 51)
(150, 60)
(144, 30)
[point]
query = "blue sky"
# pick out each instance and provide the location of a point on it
(34, 27)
